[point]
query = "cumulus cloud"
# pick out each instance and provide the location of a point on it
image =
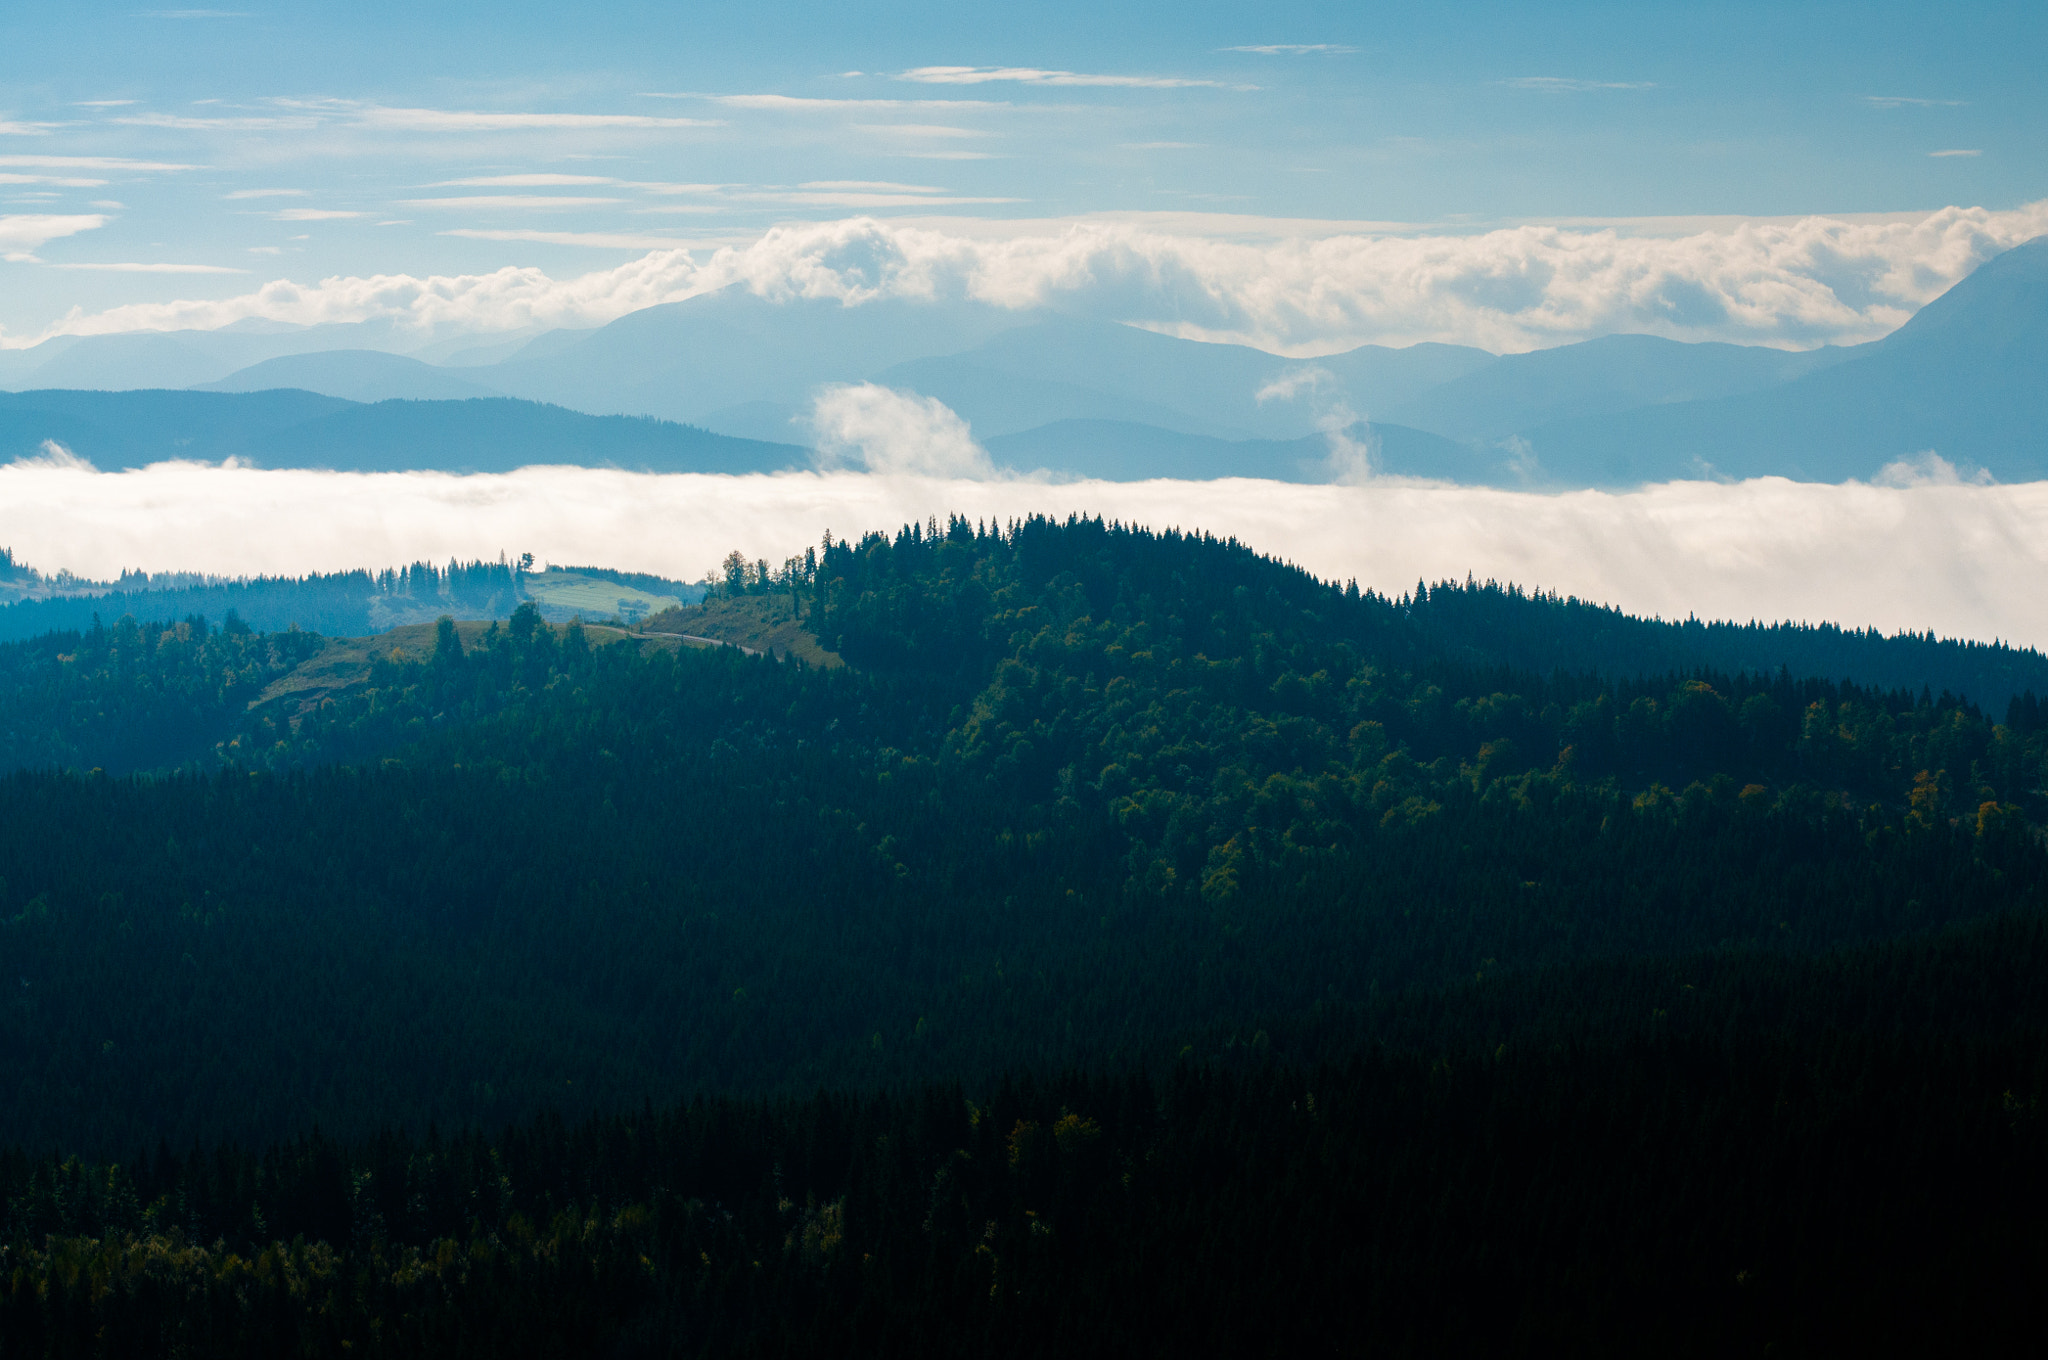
(1789, 283)
(894, 433)
(1962, 559)
(22, 234)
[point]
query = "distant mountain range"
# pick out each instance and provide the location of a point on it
(289, 428)
(1068, 395)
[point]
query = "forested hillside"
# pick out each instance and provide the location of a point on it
(1410, 956)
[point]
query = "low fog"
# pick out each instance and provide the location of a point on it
(1919, 550)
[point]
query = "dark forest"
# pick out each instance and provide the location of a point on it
(1136, 945)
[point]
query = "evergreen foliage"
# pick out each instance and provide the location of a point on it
(1688, 1011)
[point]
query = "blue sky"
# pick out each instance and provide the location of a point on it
(149, 155)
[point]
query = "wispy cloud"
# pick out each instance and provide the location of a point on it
(93, 163)
(463, 120)
(882, 185)
(787, 103)
(1031, 75)
(236, 123)
(315, 214)
(130, 268)
(61, 181)
(500, 201)
(192, 14)
(22, 234)
(1290, 49)
(1572, 85)
(918, 130)
(523, 181)
(949, 155)
(264, 193)
(1906, 101)
(103, 103)
(9, 128)
(611, 240)
(1958, 151)
(1159, 146)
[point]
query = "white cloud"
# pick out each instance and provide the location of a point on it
(889, 186)
(193, 14)
(1568, 85)
(523, 181)
(13, 129)
(92, 163)
(1290, 49)
(1031, 75)
(919, 130)
(509, 201)
(61, 181)
(786, 103)
(1960, 559)
(50, 456)
(264, 193)
(1939, 154)
(856, 199)
(459, 120)
(22, 234)
(315, 214)
(1928, 469)
(1902, 101)
(1795, 283)
(949, 156)
(1160, 146)
(894, 433)
(181, 122)
(130, 268)
(610, 240)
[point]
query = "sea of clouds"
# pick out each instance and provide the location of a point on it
(1277, 286)
(1918, 550)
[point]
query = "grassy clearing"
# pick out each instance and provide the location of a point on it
(561, 593)
(764, 623)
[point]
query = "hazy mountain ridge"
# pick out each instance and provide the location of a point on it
(289, 428)
(1960, 379)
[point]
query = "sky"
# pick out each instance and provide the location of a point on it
(221, 157)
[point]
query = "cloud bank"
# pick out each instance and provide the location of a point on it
(1795, 284)
(1929, 552)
